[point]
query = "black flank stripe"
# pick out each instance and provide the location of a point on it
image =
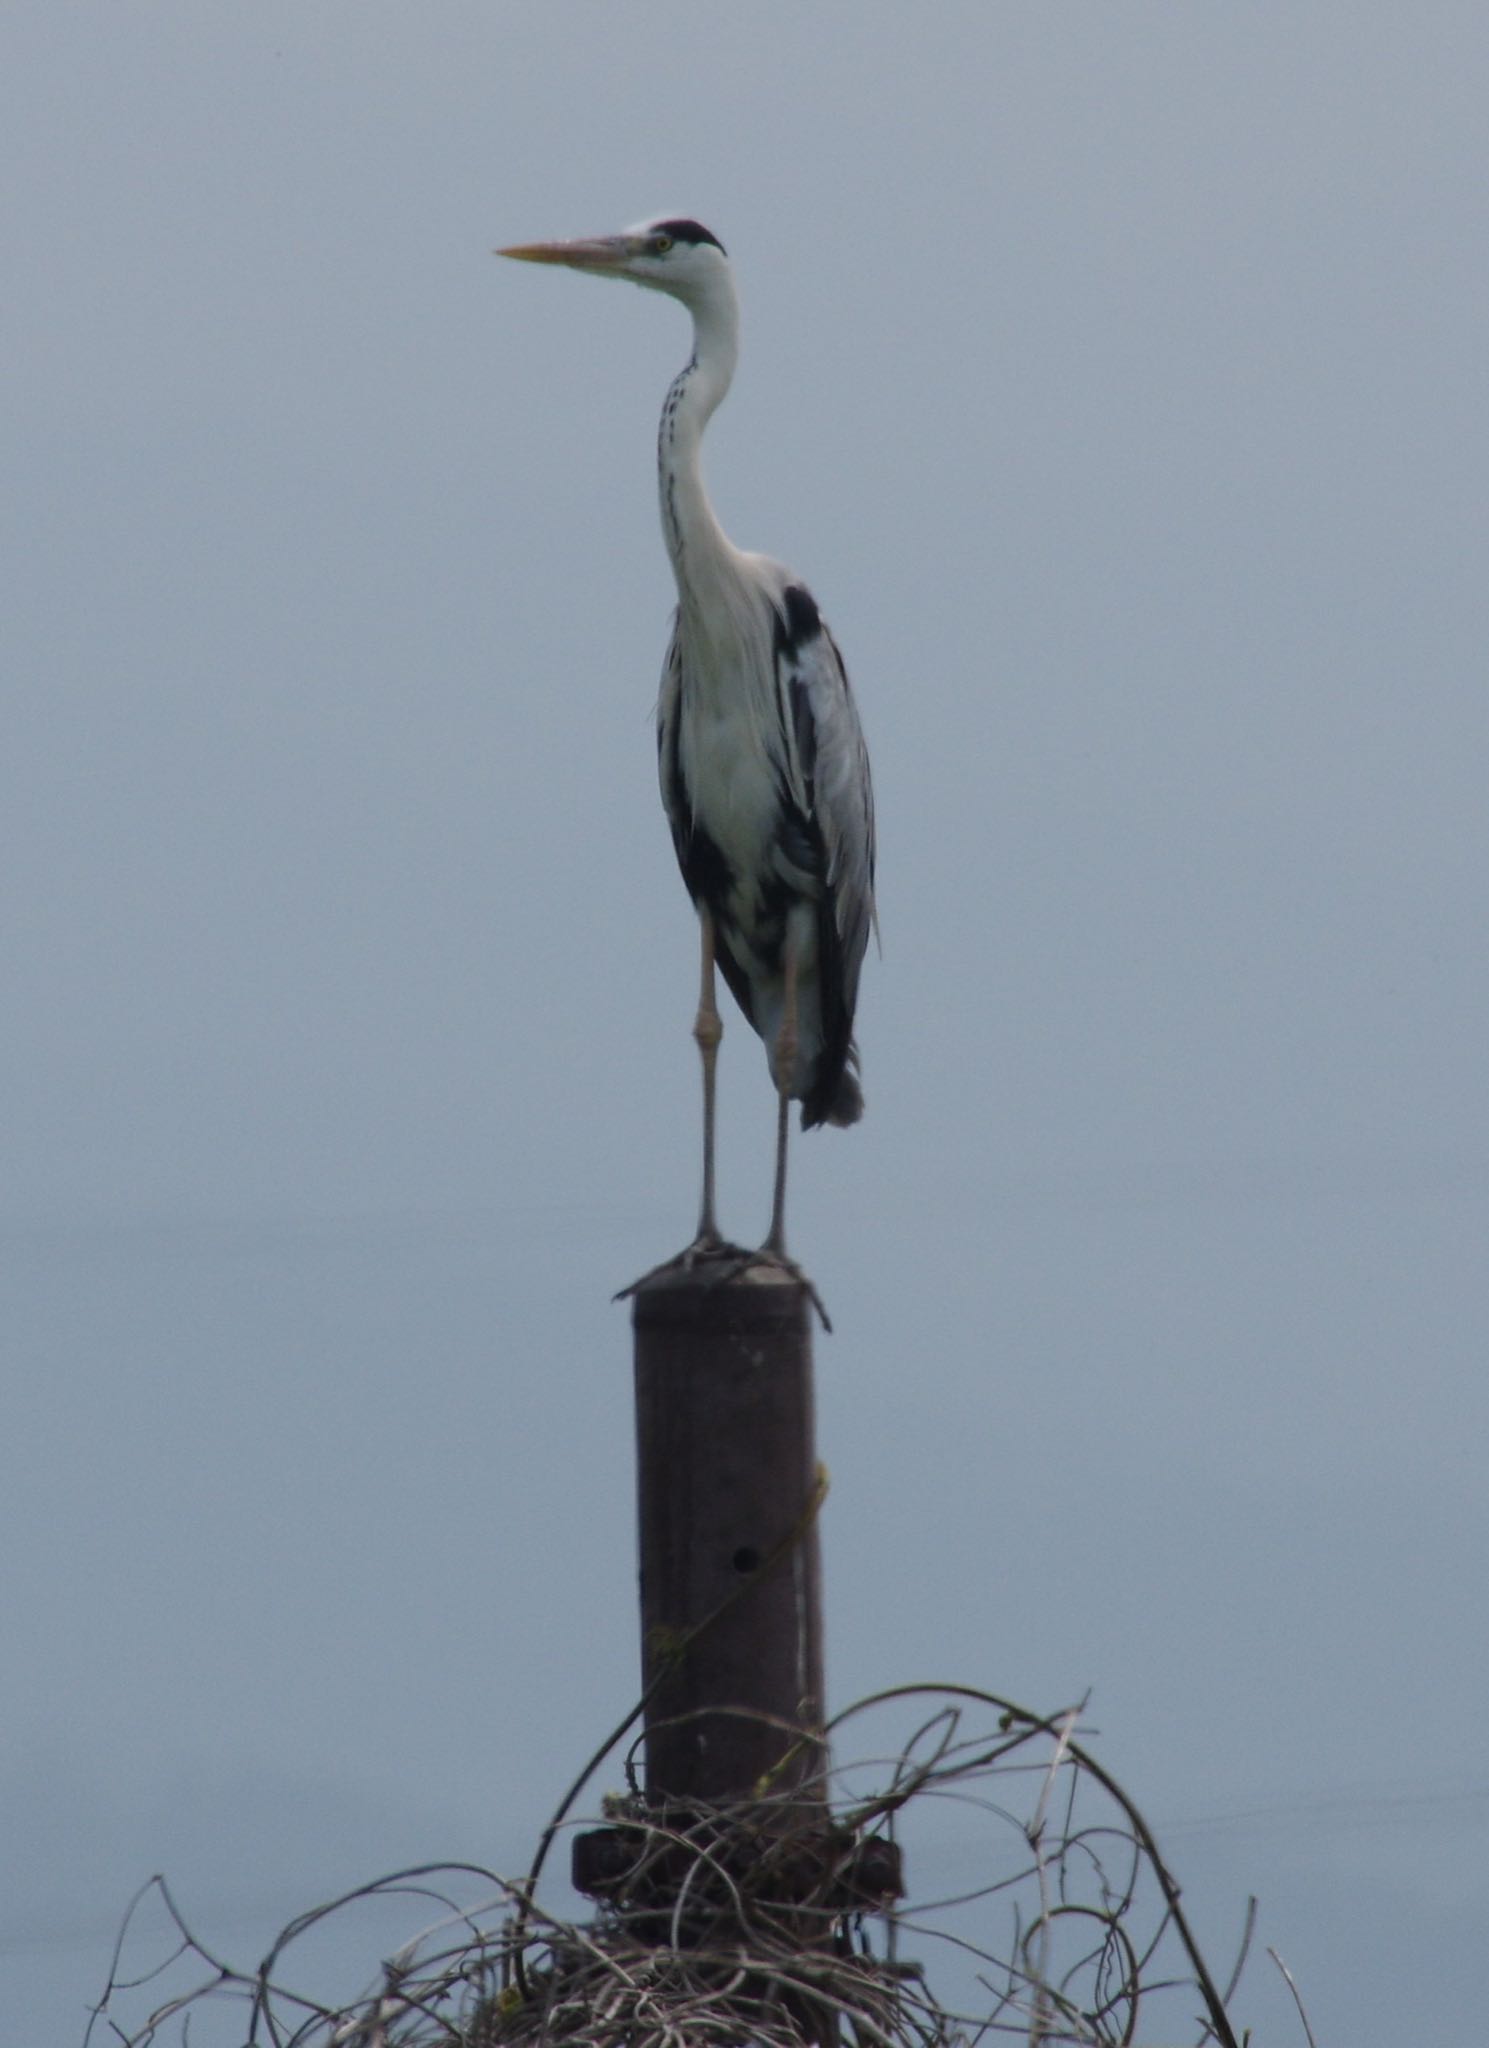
(803, 621)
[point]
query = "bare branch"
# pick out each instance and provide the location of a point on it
(746, 1923)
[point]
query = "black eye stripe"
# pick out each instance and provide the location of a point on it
(687, 231)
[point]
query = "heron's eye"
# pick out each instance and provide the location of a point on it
(661, 244)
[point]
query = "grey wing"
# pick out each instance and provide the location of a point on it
(827, 776)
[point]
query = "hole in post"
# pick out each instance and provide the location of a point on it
(746, 1560)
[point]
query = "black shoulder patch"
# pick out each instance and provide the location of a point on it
(687, 231)
(803, 620)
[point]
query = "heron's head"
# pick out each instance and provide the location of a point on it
(675, 256)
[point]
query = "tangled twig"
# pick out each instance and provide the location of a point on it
(755, 1922)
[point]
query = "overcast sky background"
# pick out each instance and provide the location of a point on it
(1117, 376)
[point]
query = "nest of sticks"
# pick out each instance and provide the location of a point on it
(777, 1921)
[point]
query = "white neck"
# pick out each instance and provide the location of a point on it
(696, 542)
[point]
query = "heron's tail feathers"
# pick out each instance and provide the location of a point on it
(834, 1098)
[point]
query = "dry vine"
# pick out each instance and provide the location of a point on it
(758, 1923)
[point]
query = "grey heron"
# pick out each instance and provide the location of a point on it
(764, 772)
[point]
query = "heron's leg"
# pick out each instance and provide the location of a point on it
(708, 1029)
(709, 1253)
(786, 1048)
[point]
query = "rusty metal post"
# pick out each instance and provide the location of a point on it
(727, 1482)
(736, 1815)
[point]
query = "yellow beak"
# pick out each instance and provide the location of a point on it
(605, 252)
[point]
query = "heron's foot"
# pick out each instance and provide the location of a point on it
(717, 1262)
(708, 1254)
(776, 1255)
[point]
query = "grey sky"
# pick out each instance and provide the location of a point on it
(1116, 375)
